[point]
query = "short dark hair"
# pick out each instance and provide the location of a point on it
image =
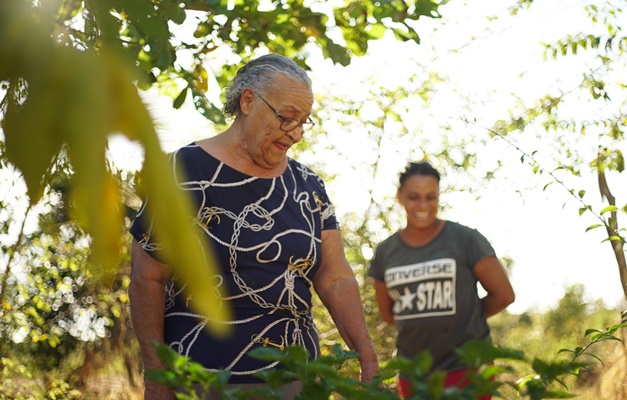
(259, 75)
(418, 168)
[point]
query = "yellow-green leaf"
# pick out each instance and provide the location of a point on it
(376, 31)
(608, 209)
(183, 244)
(183, 249)
(180, 99)
(202, 78)
(31, 137)
(593, 227)
(87, 121)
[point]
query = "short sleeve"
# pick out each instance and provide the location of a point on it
(478, 247)
(373, 269)
(143, 232)
(329, 219)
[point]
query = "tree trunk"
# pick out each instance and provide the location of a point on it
(616, 241)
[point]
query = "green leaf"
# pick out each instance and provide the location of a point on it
(405, 35)
(598, 336)
(594, 226)
(608, 209)
(336, 52)
(297, 353)
(574, 351)
(376, 31)
(616, 327)
(267, 353)
(490, 371)
(277, 377)
(524, 381)
(173, 12)
(321, 369)
(31, 139)
(180, 99)
(170, 357)
(86, 124)
(613, 238)
(207, 109)
(558, 394)
(32, 135)
(592, 330)
(182, 250)
(202, 30)
(168, 378)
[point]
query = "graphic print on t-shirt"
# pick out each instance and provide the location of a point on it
(421, 290)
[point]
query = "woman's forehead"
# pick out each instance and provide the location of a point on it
(290, 93)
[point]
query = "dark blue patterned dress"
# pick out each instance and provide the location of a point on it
(266, 234)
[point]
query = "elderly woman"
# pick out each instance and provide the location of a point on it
(274, 232)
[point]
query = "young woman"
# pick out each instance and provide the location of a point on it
(426, 277)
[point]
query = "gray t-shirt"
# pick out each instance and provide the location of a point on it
(436, 304)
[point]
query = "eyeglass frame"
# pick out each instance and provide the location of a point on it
(310, 123)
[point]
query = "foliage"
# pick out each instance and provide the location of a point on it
(54, 293)
(321, 379)
(529, 331)
(60, 322)
(570, 309)
(134, 42)
(94, 53)
(16, 383)
(582, 119)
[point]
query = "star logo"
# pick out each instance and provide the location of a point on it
(406, 299)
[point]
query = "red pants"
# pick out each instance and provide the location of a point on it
(455, 378)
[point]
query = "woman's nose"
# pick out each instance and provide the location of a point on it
(296, 134)
(423, 203)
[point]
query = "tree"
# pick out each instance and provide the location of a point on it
(61, 322)
(601, 49)
(570, 310)
(70, 69)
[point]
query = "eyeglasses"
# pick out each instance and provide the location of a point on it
(289, 124)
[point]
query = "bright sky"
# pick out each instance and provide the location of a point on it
(540, 230)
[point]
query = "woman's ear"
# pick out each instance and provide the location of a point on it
(246, 100)
(398, 197)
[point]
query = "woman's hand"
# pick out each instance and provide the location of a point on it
(369, 370)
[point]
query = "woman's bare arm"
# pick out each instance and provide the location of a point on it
(337, 287)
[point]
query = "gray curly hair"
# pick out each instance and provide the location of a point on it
(258, 74)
